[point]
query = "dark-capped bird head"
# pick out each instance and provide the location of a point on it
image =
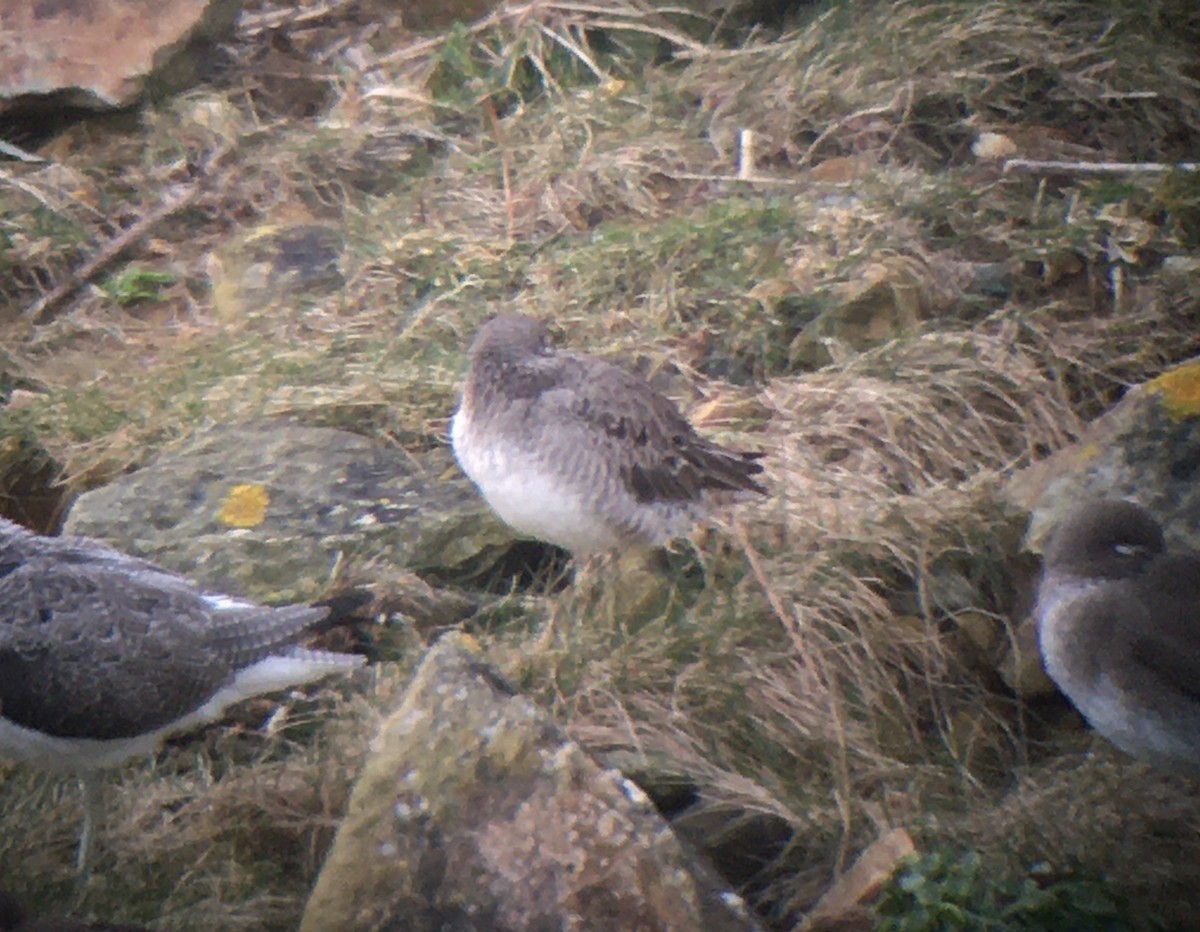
(1104, 539)
(511, 335)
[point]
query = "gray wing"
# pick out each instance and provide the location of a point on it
(92, 649)
(1165, 643)
(661, 457)
(19, 545)
(87, 552)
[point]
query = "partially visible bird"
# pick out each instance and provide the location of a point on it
(14, 919)
(103, 655)
(1119, 628)
(574, 450)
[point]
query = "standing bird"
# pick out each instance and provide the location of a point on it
(103, 655)
(573, 450)
(1119, 628)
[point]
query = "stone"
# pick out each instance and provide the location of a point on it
(1021, 665)
(886, 302)
(265, 509)
(79, 53)
(1147, 447)
(474, 812)
(846, 900)
(275, 266)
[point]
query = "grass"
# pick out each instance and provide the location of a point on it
(574, 162)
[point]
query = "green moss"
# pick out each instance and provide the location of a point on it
(136, 284)
(947, 890)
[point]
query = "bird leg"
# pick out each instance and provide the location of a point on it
(584, 573)
(92, 786)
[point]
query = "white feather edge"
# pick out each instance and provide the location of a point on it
(271, 674)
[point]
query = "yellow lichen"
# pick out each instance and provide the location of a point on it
(245, 506)
(1180, 390)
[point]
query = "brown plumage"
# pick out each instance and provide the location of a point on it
(1119, 627)
(572, 449)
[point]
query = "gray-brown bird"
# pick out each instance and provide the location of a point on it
(103, 655)
(1119, 627)
(574, 450)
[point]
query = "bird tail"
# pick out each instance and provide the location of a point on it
(730, 470)
(290, 669)
(245, 634)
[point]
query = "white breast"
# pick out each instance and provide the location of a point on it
(527, 496)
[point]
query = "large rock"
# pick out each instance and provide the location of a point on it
(1146, 448)
(265, 509)
(474, 812)
(99, 55)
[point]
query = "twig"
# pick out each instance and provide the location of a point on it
(889, 107)
(745, 155)
(16, 152)
(785, 617)
(1098, 168)
(40, 310)
(756, 179)
(510, 209)
(253, 24)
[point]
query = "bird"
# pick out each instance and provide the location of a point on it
(1118, 621)
(13, 918)
(574, 450)
(103, 655)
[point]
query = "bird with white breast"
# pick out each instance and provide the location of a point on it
(574, 450)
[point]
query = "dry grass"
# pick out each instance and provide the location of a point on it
(574, 160)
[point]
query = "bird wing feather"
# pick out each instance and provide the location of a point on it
(89, 648)
(1167, 645)
(660, 455)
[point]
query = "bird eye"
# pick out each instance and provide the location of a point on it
(1127, 550)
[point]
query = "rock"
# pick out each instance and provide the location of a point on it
(265, 509)
(993, 146)
(883, 303)
(843, 905)
(474, 812)
(78, 53)
(1021, 665)
(274, 266)
(1147, 447)
(891, 297)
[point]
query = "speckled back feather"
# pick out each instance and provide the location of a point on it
(97, 644)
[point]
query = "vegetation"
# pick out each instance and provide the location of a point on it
(941, 891)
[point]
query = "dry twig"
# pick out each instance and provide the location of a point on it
(1098, 168)
(41, 309)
